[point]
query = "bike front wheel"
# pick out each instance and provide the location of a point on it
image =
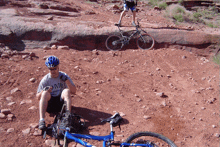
(150, 139)
(145, 42)
(114, 43)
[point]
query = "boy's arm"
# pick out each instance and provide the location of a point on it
(71, 87)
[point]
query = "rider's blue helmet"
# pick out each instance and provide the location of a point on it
(52, 61)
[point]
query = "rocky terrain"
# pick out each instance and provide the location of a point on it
(172, 89)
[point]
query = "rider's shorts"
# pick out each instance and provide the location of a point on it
(129, 5)
(55, 104)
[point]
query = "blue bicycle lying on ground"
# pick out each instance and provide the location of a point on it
(145, 139)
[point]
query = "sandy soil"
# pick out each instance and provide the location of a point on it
(126, 81)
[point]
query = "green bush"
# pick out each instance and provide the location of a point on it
(154, 2)
(211, 25)
(180, 2)
(163, 6)
(216, 59)
(180, 10)
(178, 17)
(197, 17)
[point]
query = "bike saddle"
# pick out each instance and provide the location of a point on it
(114, 119)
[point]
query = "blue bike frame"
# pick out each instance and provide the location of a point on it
(106, 138)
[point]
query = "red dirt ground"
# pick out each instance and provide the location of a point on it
(125, 81)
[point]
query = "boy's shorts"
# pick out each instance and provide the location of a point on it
(129, 5)
(55, 104)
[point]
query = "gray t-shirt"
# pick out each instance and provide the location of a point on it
(57, 84)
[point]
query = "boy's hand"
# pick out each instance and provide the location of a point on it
(48, 88)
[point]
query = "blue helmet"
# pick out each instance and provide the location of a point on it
(52, 61)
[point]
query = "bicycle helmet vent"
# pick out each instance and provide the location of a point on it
(52, 61)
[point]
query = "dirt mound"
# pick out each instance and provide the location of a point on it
(129, 81)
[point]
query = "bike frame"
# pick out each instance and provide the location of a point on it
(105, 139)
(133, 34)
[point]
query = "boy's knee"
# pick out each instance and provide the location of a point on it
(66, 91)
(45, 96)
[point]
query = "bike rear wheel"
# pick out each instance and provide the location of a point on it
(150, 138)
(145, 42)
(114, 43)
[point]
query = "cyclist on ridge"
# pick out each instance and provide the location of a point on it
(128, 4)
(54, 89)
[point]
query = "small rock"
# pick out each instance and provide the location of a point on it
(2, 116)
(10, 115)
(157, 69)
(99, 82)
(209, 88)
(161, 94)
(11, 103)
(25, 56)
(89, 12)
(25, 102)
(65, 47)
(46, 48)
(50, 142)
(45, 57)
(164, 103)
(32, 108)
(37, 133)
(214, 126)
(53, 47)
(10, 130)
(122, 114)
(26, 131)
(217, 135)
(95, 52)
(14, 90)
(33, 125)
(6, 111)
(4, 56)
(136, 95)
(183, 57)
(147, 117)
(32, 80)
(32, 54)
(211, 101)
(9, 98)
(157, 8)
(2, 129)
(50, 18)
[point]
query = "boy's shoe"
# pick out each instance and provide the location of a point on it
(133, 24)
(42, 125)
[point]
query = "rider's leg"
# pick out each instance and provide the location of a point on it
(43, 103)
(121, 16)
(45, 97)
(67, 98)
(134, 15)
(133, 9)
